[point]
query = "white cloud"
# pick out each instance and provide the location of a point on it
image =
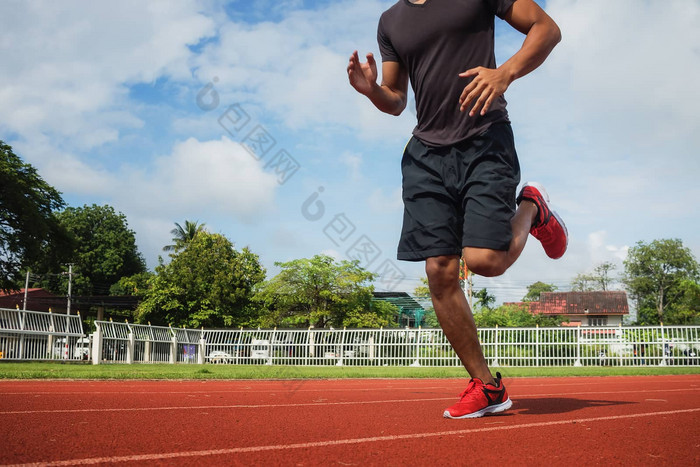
(66, 65)
(613, 100)
(296, 68)
(334, 254)
(353, 162)
(380, 202)
(66, 171)
(214, 177)
(602, 252)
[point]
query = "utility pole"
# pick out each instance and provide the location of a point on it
(26, 286)
(70, 281)
(467, 282)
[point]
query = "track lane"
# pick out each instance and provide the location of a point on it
(282, 417)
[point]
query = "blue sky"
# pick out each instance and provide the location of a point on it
(239, 115)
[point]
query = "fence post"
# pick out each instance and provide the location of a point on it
(130, 348)
(238, 349)
(663, 345)
(271, 349)
(49, 342)
(21, 337)
(202, 348)
(312, 351)
(577, 362)
(173, 346)
(495, 348)
(416, 362)
(130, 344)
(537, 345)
(342, 344)
(620, 342)
(97, 344)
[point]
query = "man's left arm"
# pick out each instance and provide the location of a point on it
(541, 35)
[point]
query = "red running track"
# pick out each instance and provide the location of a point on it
(554, 421)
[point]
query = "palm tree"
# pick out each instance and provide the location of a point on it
(184, 235)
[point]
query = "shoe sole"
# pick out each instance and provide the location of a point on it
(539, 188)
(502, 407)
(545, 196)
(566, 233)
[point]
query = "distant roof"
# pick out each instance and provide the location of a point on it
(401, 299)
(37, 299)
(42, 300)
(17, 292)
(581, 303)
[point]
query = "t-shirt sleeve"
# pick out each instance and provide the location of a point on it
(386, 49)
(500, 7)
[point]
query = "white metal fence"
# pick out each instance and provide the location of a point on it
(32, 335)
(29, 335)
(593, 346)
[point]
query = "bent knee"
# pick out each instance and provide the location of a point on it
(487, 263)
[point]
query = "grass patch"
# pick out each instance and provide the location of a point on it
(59, 370)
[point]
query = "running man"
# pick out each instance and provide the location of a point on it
(460, 169)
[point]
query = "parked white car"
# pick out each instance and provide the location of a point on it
(80, 350)
(219, 356)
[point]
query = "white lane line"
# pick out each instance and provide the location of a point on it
(315, 404)
(341, 442)
(235, 406)
(281, 388)
(593, 393)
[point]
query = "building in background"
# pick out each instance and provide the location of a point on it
(37, 300)
(598, 308)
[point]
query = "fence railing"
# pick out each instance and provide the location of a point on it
(584, 346)
(30, 335)
(33, 335)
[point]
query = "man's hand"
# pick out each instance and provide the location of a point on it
(488, 84)
(362, 76)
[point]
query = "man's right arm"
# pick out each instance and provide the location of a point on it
(390, 95)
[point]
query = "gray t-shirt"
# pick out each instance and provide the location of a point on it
(435, 41)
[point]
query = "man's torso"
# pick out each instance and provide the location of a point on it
(435, 41)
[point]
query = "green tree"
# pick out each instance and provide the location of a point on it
(104, 250)
(686, 309)
(207, 283)
(514, 316)
(135, 285)
(534, 291)
(583, 283)
(484, 299)
(184, 235)
(602, 275)
(599, 280)
(655, 274)
(380, 314)
(422, 290)
(28, 224)
(321, 292)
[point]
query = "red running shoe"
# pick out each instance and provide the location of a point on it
(548, 227)
(480, 399)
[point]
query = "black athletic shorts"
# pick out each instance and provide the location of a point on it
(459, 195)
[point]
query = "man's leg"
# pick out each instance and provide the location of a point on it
(451, 307)
(533, 216)
(454, 315)
(484, 394)
(490, 263)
